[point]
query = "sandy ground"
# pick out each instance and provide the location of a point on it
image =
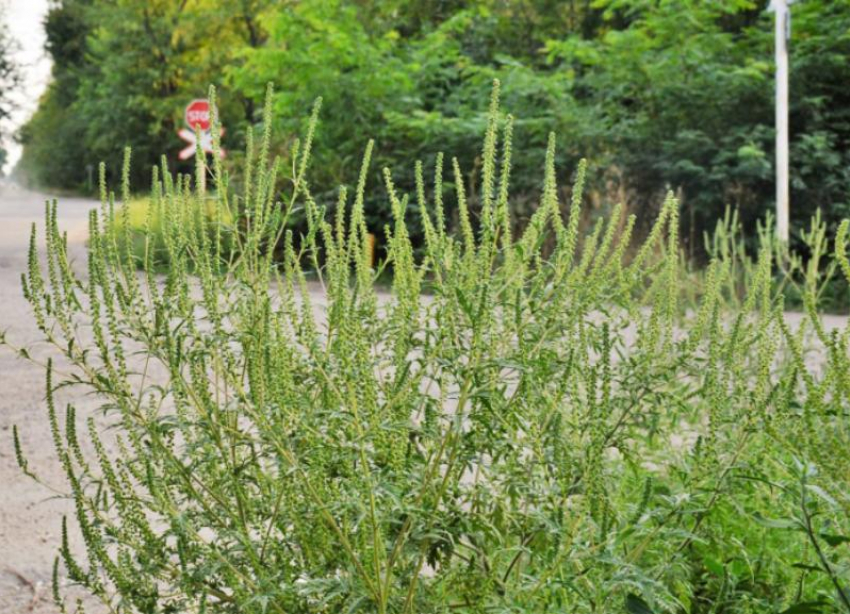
(30, 514)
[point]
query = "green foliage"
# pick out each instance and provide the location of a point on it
(688, 90)
(793, 274)
(122, 74)
(412, 91)
(527, 422)
(655, 95)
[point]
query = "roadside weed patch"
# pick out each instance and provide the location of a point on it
(548, 429)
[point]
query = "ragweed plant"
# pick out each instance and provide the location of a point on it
(522, 423)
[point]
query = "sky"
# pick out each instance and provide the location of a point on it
(24, 18)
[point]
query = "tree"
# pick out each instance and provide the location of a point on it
(686, 92)
(656, 95)
(54, 148)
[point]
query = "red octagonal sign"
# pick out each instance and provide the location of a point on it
(198, 115)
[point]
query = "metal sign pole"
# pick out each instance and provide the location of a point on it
(780, 7)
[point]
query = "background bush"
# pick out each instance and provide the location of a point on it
(656, 95)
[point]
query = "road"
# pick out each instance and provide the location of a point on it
(30, 515)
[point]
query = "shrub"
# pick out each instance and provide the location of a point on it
(526, 423)
(146, 217)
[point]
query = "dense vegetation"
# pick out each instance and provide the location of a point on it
(529, 422)
(656, 95)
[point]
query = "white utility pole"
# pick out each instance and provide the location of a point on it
(782, 34)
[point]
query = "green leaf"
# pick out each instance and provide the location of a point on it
(835, 540)
(464, 304)
(637, 605)
(713, 565)
(821, 493)
(778, 523)
(806, 607)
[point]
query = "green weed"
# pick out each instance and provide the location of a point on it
(549, 429)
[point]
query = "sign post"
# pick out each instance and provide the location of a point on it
(189, 136)
(197, 115)
(782, 32)
(197, 118)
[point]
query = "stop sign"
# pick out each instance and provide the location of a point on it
(198, 115)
